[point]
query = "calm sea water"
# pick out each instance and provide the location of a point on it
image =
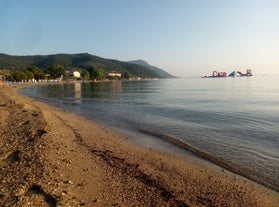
(231, 121)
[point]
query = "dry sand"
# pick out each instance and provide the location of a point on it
(49, 157)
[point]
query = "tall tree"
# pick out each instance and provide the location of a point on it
(56, 71)
(126, 75)
(38, 72)
(85, 75)
(19, 76)
(29, 74)
(96, 73)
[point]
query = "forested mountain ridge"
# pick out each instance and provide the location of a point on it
(157, 70)
(79, 61)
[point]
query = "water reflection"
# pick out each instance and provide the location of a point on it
(115, 86)
(77, 90)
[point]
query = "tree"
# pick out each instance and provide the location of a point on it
(56, 71)
(19, 76)
(126, 75)
(29, 74)
(37, 72)
(7, 74)
(85, 75)
(96, 73)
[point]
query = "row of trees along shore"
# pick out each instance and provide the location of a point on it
(56, 71)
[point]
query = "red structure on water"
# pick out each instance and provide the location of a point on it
(248, 73)
(217, 74)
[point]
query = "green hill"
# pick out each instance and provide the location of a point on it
(157, 70)
(79, 61)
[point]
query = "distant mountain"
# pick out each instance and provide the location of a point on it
(78, 61)
(159, 71)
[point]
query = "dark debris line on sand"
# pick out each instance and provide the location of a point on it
(133, 171)
(120, 165)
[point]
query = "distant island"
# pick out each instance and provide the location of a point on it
(82, 63)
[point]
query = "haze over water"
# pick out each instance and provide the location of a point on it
(234, 121)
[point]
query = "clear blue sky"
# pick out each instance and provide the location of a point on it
(185, 37)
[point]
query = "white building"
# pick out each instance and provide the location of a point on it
(114, 74)
(76, 74)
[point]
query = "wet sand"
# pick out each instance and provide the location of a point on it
(49, 157)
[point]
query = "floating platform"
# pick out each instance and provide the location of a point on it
(217, 74)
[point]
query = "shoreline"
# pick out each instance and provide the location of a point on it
(205, 157)
(86, 164)
(166, 141)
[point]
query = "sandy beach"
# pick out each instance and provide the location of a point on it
(50, 157)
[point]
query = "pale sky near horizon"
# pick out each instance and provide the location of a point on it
(184, 37)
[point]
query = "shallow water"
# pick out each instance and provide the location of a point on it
(231, 121)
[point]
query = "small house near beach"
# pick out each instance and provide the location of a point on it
(114, 74)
